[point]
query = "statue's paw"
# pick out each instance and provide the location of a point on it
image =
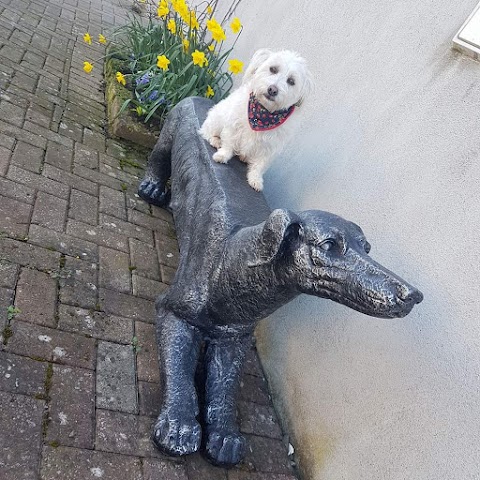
(225, 449)
(153, 192)
(177, 436)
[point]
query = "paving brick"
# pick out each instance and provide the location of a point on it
(28, 157)
(59, 156)
(71, 414)
(83, 207)
(26, 254)
(254, 389)
(12, 113)
(147, 355)
(127, 306)
(36, 297)
(22, 375)
(78, 283)
(259, 420)
(19, 134)
(95, 324)
(14, 217)
(267, 455)
(199, 469)
(94, 139)
(117, 172)
(125, 228)
(114, 270)
(135, 202)
(47, 133)
(97, 177)
(85, 271)
(6, 298)
(98, 235)
(167, 274)
(241, 475)
(50, 212)
(67, 463)
(162, 213)
(116, 377)
(85, 157)
(146, 288)
(48, 344)
(5, 154)
(154, 469)
(112, 202)
(70, 179)
(71, 129)
(167, 249)
(38, 114)
(152, 223)
(7, 141)
(62, 242)
(38, 182)
(8, 274)
(21, 438)
(125, 433)
(149, 398)
(24, 82)
(144, 258)
(16, 191)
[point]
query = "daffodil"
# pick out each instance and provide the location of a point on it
(186, 44)
(218, 34)
(209, 9)
(120, 78)
(180, 6)
(235, 66)
(172, 26)
(199, 58)
(87, 38)
(209, 93)
(102, 39)
(162, 11)
(87, 67)
(236, 25)
(163, 62)
(192, 21)
(211, 48)
(140, 111)
(212, 24)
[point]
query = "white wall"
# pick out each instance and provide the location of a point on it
(391, 140)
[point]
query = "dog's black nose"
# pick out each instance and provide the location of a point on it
(409, 294)
(272, 90)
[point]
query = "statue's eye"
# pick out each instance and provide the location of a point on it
(274, 70)
(327, 245)
(367, 247)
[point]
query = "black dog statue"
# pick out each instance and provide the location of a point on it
(239, 262)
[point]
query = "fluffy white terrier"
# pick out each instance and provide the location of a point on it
(256, 121)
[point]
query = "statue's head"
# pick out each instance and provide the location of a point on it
(324, 255)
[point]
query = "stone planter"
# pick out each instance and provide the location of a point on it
(124, 124)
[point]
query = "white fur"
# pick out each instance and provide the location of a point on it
(226, 126)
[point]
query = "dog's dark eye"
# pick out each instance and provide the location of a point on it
(327, 245)
(367, 247)
(274, 70)
(291, 81)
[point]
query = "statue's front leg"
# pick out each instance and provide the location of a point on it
(177, 431)
(224, 360)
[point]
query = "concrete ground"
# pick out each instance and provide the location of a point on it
(82, 259)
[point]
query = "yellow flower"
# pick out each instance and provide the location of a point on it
(199, 58)
(209, 93)
(211, 48)
(212, 24)
(236, 25)
(235, 66)
(162, 11)
(101, 38)
(120, 78)
(218, 34)
(209, 10)
(163, 62)
(140, 111)
(186, 44)
(180, 7)
(172, 26)
(87, 38)
(192, 21)
(87, 67)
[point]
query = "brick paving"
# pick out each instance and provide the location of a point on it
(82, 258)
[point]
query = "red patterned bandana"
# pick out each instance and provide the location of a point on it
(261, 119)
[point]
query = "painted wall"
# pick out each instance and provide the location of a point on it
(391, 140)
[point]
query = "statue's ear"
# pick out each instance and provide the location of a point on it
(281, 233)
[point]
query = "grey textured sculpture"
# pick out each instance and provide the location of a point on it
(239, 262)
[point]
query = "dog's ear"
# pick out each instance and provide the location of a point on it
(281, 233)
(307, 88)
(258, 58)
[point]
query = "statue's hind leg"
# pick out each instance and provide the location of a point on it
(177, 431)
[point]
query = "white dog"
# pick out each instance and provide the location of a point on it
(256, 120)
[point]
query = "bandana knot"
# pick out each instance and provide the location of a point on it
(261, 119)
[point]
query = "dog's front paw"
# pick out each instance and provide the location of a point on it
(221, 156)
(225, 449)
(176, 436)
(153, 192)
(255, 181)
(215, 142)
